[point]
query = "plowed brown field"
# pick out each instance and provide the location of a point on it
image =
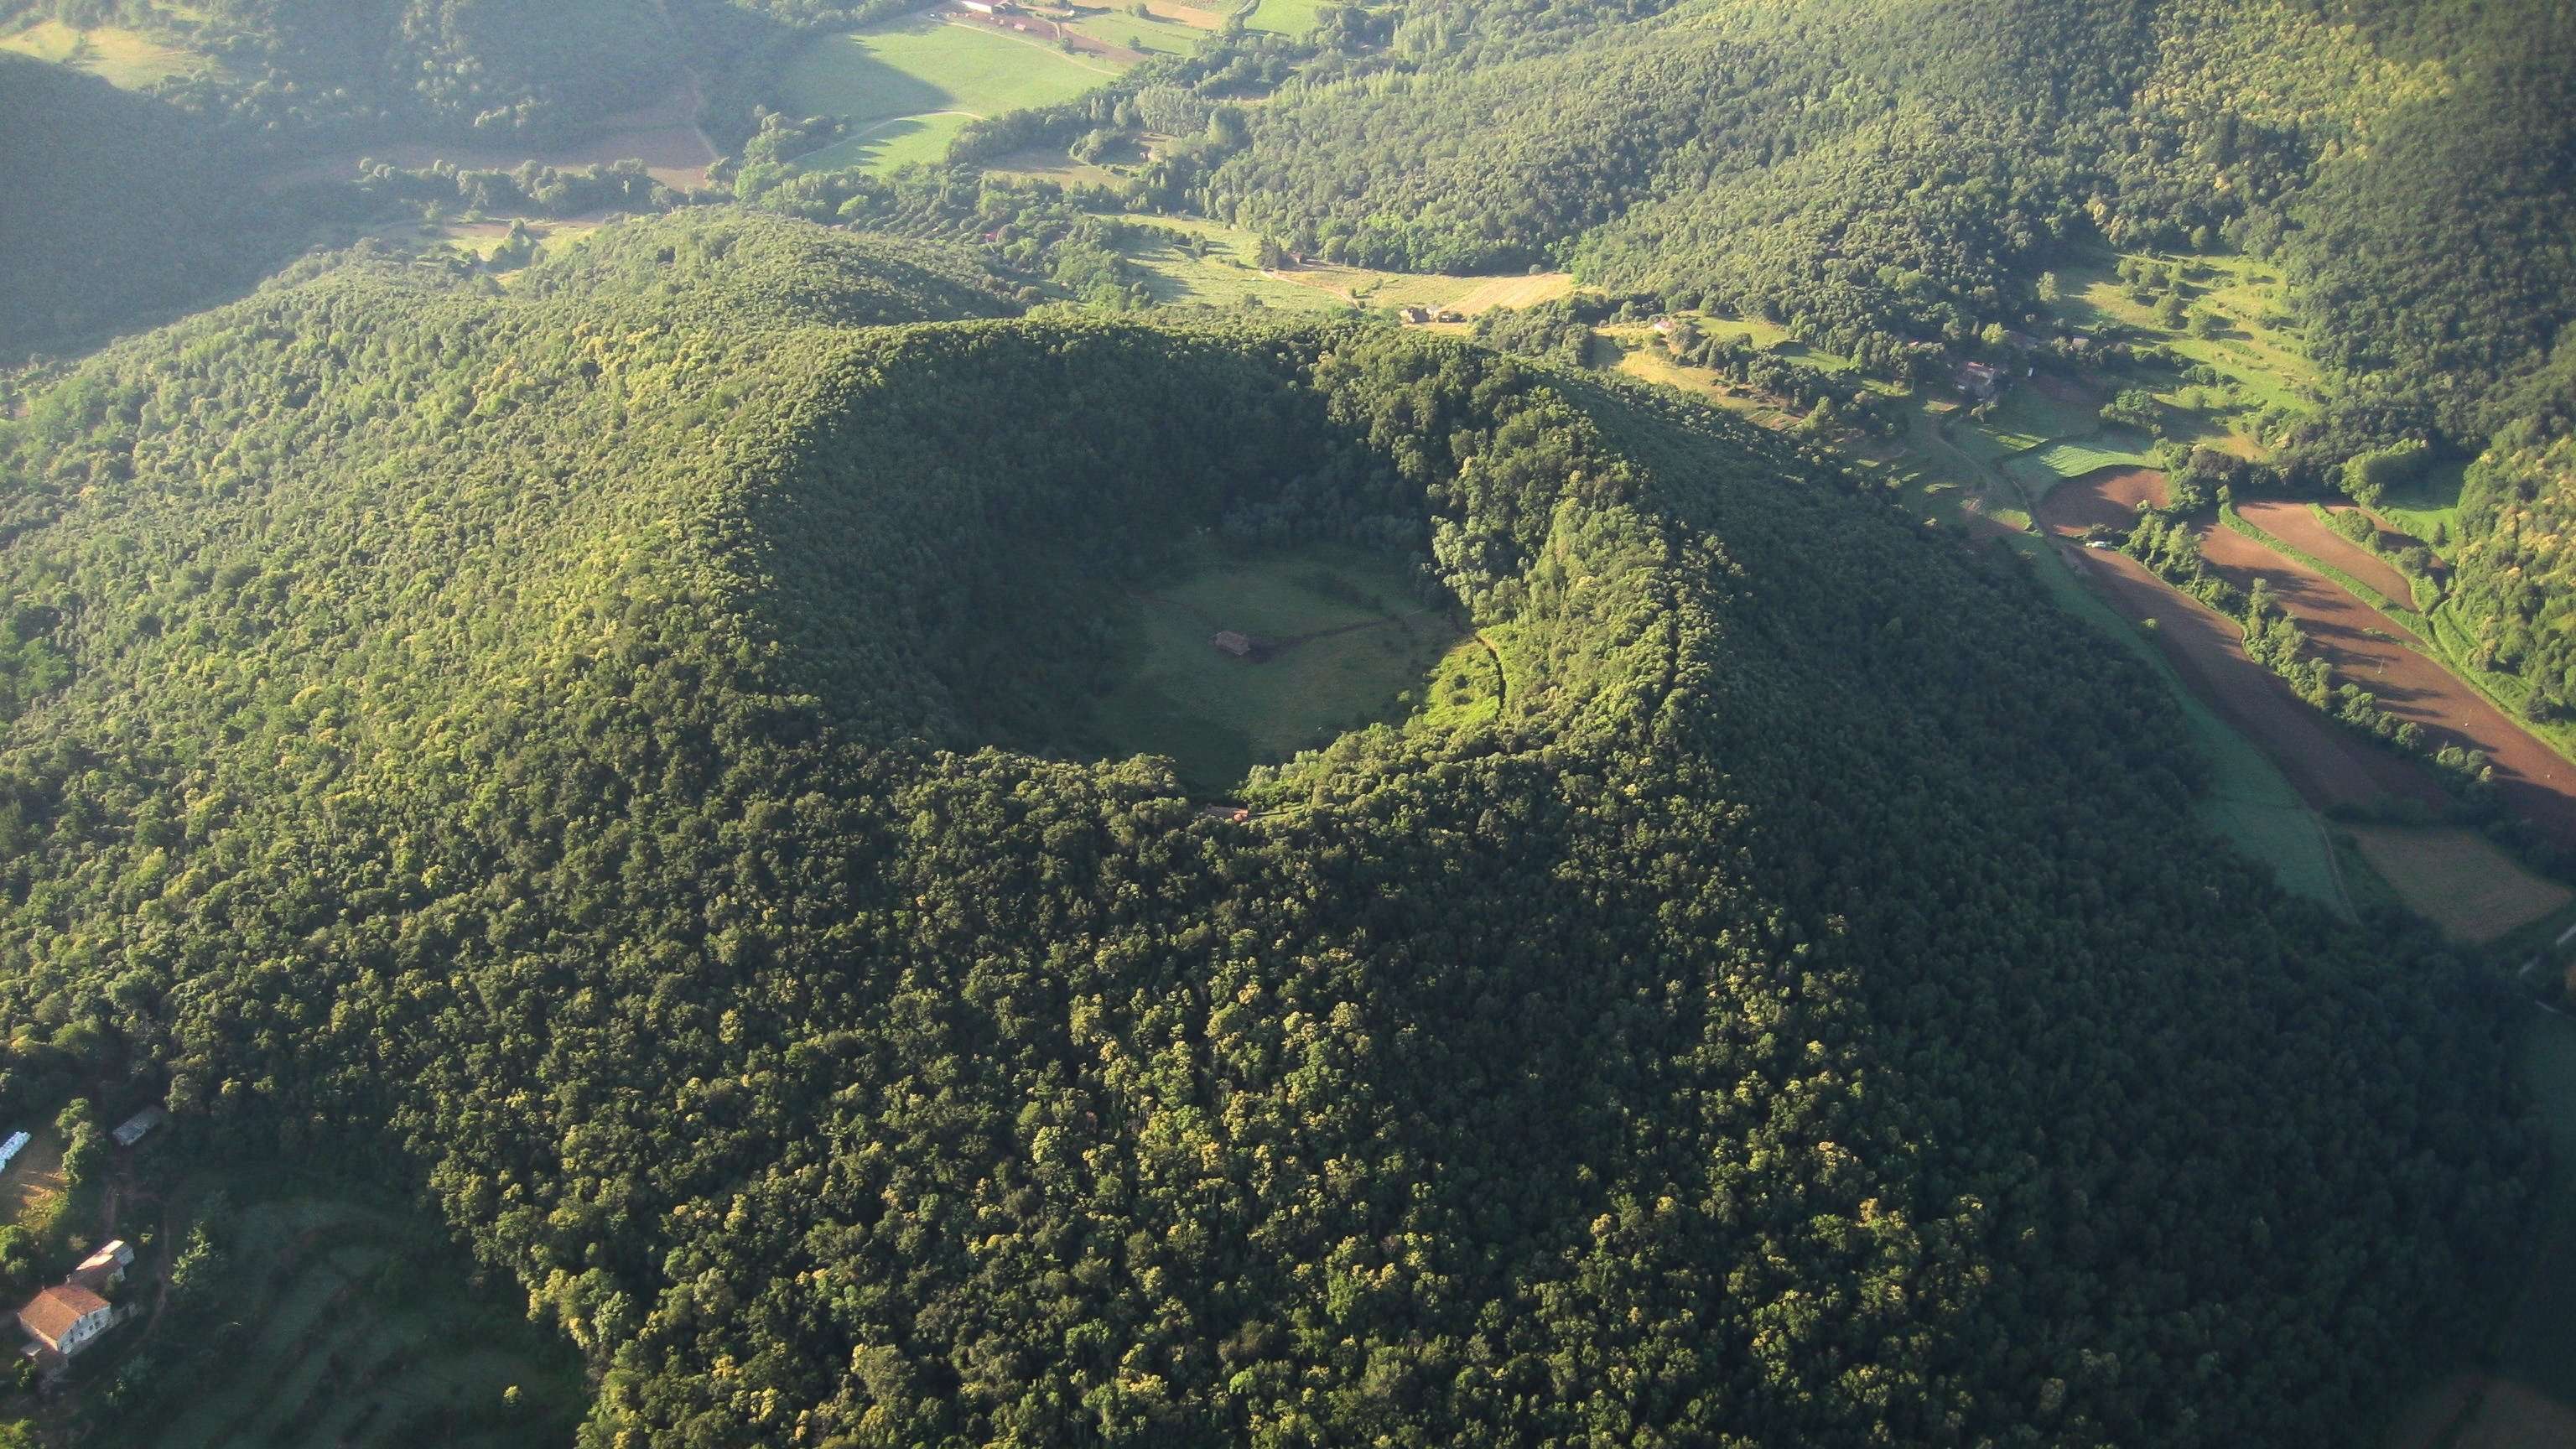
(2109, 497)
(2363, 645)
(2294, 525)
(2326, 763)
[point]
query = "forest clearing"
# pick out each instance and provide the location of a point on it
(1338, 640)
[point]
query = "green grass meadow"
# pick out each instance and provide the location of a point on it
(340, 1323)
(2050, 464)
(1216, 716)
(1286, 17)
(906, 90)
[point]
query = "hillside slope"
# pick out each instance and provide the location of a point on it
(536, 747)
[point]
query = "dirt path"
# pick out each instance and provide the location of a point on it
(2294, 525)
(2365, 648)
(2327, 764)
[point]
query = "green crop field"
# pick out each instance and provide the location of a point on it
(1349, 644)
(338, 1323)
(906, 90)
(2044, 467)
(1287, 17)
(1152, 35)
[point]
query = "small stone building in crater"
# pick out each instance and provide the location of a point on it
(1227, 641)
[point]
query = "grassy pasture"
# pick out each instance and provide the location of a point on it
(1229, 273)
(2267, 365)
(1216, 715)
(1158, 34)
(2418, 507)
(1286, 17)
(345, 1324)
(121, 57)
(2050, 464)
(907, 89)
(2458, 880)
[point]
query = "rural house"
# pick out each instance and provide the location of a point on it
(1980, 379)
(1416, 316)
(105, 1268)
(135, 1128)
(66, 1318)
(1229, 642)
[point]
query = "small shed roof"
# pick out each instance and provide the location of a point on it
(133, 1128)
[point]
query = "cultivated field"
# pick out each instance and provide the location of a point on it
(1286, 17)
(663, 134)
(343, 1325)
(121, 57)
(907, 89)
(2328, 764)
(2295, 525)
(2108, 498)
(2458, 880)
(2249, 803)
(2367, 648)
(1347, 644)
(1163, 32)
(2044, 467)
(31, 1191)
(1230, 271)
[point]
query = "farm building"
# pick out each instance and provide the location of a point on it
(1227, 641)
(135, 1128)
(1663, 326)
(1446, 314)
(66, 1318)
(1980, 379)
(103, 1269)
(10, 1149)
(1416, 316)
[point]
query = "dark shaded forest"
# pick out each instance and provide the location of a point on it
(532, 747)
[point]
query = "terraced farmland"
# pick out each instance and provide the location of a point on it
(341, 1324)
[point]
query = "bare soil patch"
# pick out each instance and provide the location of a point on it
(2325, 763)
(2294, 525)
(2364, 647)
(2108, 497)
(2458, 880)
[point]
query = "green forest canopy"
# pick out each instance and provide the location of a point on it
(532, 748)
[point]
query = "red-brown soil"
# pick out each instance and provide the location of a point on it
(2109, 497)
(2294, 525)
(2362, 645)
(2326, 763)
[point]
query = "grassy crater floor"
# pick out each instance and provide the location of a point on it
(1343, 640)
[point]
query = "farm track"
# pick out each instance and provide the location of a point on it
(2365, 647)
